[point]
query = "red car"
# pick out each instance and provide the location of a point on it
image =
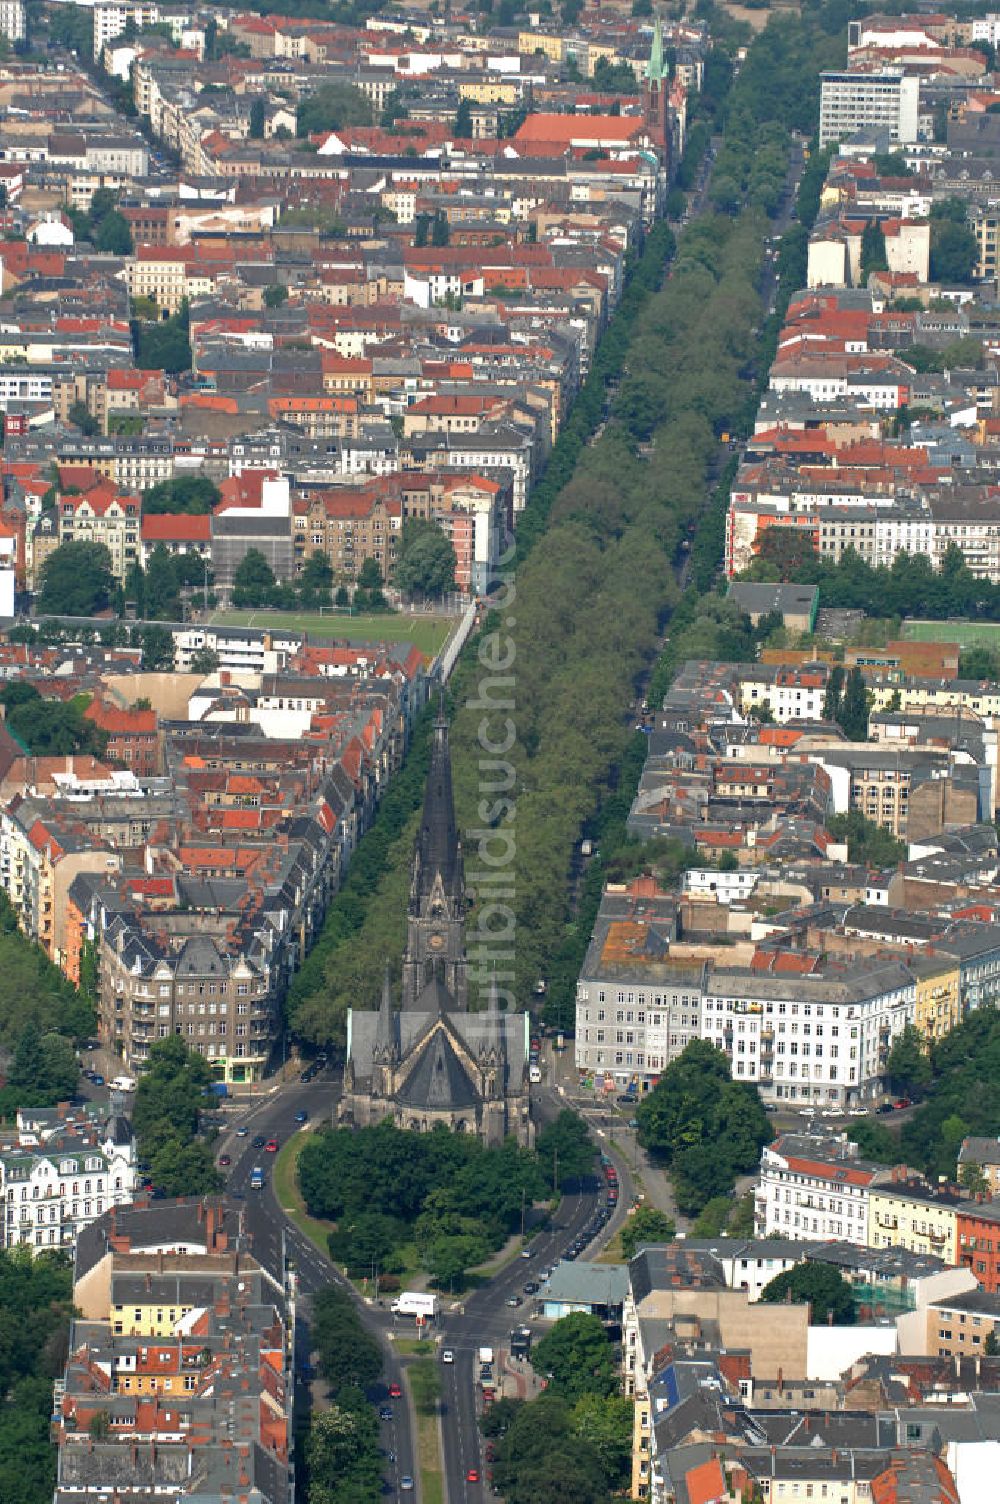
(902, 1102)
(271, 1147)
(395, 1391)
(472, 1476)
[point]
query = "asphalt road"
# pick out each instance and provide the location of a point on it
(273, 1235)
(485, 1318)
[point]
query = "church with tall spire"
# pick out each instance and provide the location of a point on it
(433, 1060)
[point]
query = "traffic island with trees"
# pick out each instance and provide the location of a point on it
(438, 1201)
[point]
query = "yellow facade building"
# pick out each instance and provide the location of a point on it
(909, 1214)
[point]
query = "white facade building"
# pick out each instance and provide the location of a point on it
(852, 102)
(57, 1180)
(814, 1187)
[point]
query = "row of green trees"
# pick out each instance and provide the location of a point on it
(343, 1460)
(911, 580)
(596, 547)
(443, 1195)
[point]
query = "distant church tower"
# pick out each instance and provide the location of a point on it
(435, 926)
(654, 90)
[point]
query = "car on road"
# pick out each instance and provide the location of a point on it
(406, 1483)
(472, 1476)
(97, 1078)
(271, 1147)
(256, 1178)
(307, 1076)
(531, 1288)
(259, 1141)
(385, 1412)
(885, 1107)
(513, 1300)
(526, 1253)
(302, 1116)
(395, 1391)
(447, 1356)
(902, 1102)
(242, 1131)
(224, 1160)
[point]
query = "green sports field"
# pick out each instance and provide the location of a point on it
(968, 634)
(428, 633)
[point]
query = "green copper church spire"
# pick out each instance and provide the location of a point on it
(655, 72)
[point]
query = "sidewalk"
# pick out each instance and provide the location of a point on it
(612, 1121)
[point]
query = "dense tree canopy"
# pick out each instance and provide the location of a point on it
(704, 1126)
(823, 1286)
(425, 568)
(330, 108)
(577, 1358)
(76, 580)
(546, 1456)
(192, 494)
(169, 1098)
(646, 1225)
(35, 1309)
(253, 580)
(866, 841)
(445, 1193)
(49, 728)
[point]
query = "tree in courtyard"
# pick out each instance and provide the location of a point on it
(954, 248)
(853, 710)
(789, 549)
(195, 495)
(873, 257)
(425, 567)
(577, 1358)
(823, 1286)
(77, 580)
(463, 119)
(275, 295)
(253, 580)
(331, 108)
(258, 119)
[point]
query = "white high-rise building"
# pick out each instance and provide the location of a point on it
(853, 101)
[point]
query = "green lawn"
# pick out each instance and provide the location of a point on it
(968, 634)
(429, 633)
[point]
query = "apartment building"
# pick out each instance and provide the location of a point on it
(637, 1007)
(105, 516)
(816, 1187)
(978, 1234)
(188, 1331)
(61, 1174)
(907, 1213)
(853, 101)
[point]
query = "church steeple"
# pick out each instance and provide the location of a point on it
(386, 1034)
(654, 66)
(435, 930)
(439, 851)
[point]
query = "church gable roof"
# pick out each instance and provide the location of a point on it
(438, 1081)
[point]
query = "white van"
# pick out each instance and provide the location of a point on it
(534, 1074)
